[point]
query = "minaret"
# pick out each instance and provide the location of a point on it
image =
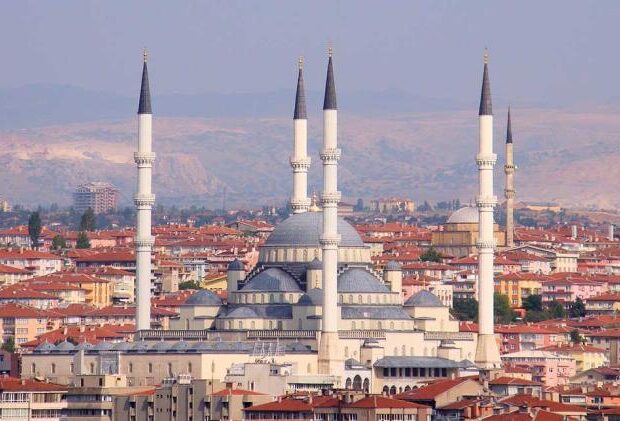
(509, 191)
(144, 200)
(330, 359)
(487, 353)
(300, 162)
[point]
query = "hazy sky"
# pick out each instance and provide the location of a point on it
(558, 51)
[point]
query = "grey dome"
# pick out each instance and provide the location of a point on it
(180, 346)
(392, 265)
(360, 280)
(242, 313)
(304, 229)
(139, 346)
(272, 279)
(103, 346)
(204, 297)
(236, 265)
(160, 346)
(65, 346)
(84, 346)
(122, 346)
(423, 298)
(45, 347)
(315, 264)
(465, 215)
(314, 297)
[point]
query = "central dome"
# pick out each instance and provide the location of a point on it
(304, 229)
(466, 215)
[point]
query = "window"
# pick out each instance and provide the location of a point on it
(150, 367)
(130, 367)
(53, 368)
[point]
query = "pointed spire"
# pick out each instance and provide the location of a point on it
(144, 107)
(485, 96)
(329, 102)
(509, 129)
(300, 98)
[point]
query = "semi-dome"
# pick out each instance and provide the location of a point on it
(65, 346)
(314, 297)
(360, 280)
(272, 279)
(423, 298)
(392, 265)
(304, 230)
(315, 264)
(204, 297)
(241, 313)
(236, 265)
(465, 215)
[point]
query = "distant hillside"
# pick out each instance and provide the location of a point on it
(563, 155)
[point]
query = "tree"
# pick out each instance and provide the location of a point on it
(59, 242)
(533, 303)
(577, 309)
(88, 220)
(556, 310)
(430, 255)
(34, 229)
(502, 310)
(9, 344)
(189, 285)
(465, 308)
(576, 338)
(82, 241)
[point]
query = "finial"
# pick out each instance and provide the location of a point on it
(300, 62)
(330, 50)
(145, 54)
(486, 55)
(314, 207)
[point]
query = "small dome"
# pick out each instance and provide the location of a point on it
(424, 298)
(180, 346)
(83, 346)
(65, 346)
(242, 313)
(304, 229)
(315, 264)
(465, 215)
(103, 346)
(313, 297)
(201, 346)
(160, 346)
(392, 265)
(272, 279)
(139, 346)
(204, 297)
(122, 346)
(360, 280)
(45, 347)
(236, 265)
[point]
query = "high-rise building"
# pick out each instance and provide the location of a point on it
(100, 196)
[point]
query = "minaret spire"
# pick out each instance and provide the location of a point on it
(330, 354)
(487, 353)
(509, 191)
(144, 200)
(300, 161)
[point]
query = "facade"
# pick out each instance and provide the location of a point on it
(550, 368)
(99, 196)
(31, 400)
(518, 286)
(393, 205)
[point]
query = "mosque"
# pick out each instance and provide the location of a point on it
(313, 300)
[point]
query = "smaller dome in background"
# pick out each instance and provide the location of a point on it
(315, 264)
(392, 266)
(424, 298)
(465, 215)
(204, 297)
(236, 265)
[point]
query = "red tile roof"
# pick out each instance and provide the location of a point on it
(383, 402)
(13, 384)
(13, 270)
(513, 381)
(433, 389)
(235, 392)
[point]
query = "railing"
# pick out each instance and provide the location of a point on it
(260, 334)
(361, 334)
(453, 336)
(174, 334)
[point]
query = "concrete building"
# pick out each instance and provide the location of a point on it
(99, 196)
(392, 205)
(550, 368)
(31, 400)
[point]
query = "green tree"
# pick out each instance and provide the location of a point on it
(34, 229)
(189, 285)
(502, 310)
(576, 338)
(430, 255)
(9, 344)
(88, 220)
(533, 303)
(59, 242)
(577, 309)
(82, 241)
(556, 310)
(465, 309)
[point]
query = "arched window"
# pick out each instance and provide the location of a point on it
(170, 369)
(359, 299)
(290, 298)
(407, 388)
(392, 325)
(357, 383)
(393, 390)
(348, 383)
(71, 368)
(350, 298)
(379, 325)
(270, 324)
(362, 323)
(53, 368)
(366, 385)
(386, 390)
(150, 367)
(281, 298)
(189, 367)
(240, 324)
(33, 368)
(271, 298)
(353, 325)
(254, 298)
(130, 367)
(262, 298)
(253, 324)
(92, 368)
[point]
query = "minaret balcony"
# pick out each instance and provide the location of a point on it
(300, 164)
(486, 203)
(485, 244)
(330, 155)
(144, 201)
(486, 161)
(330, 198)
(329, 240)
(300, 203)
(144, 159)
(143, 244)
(509, 194)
